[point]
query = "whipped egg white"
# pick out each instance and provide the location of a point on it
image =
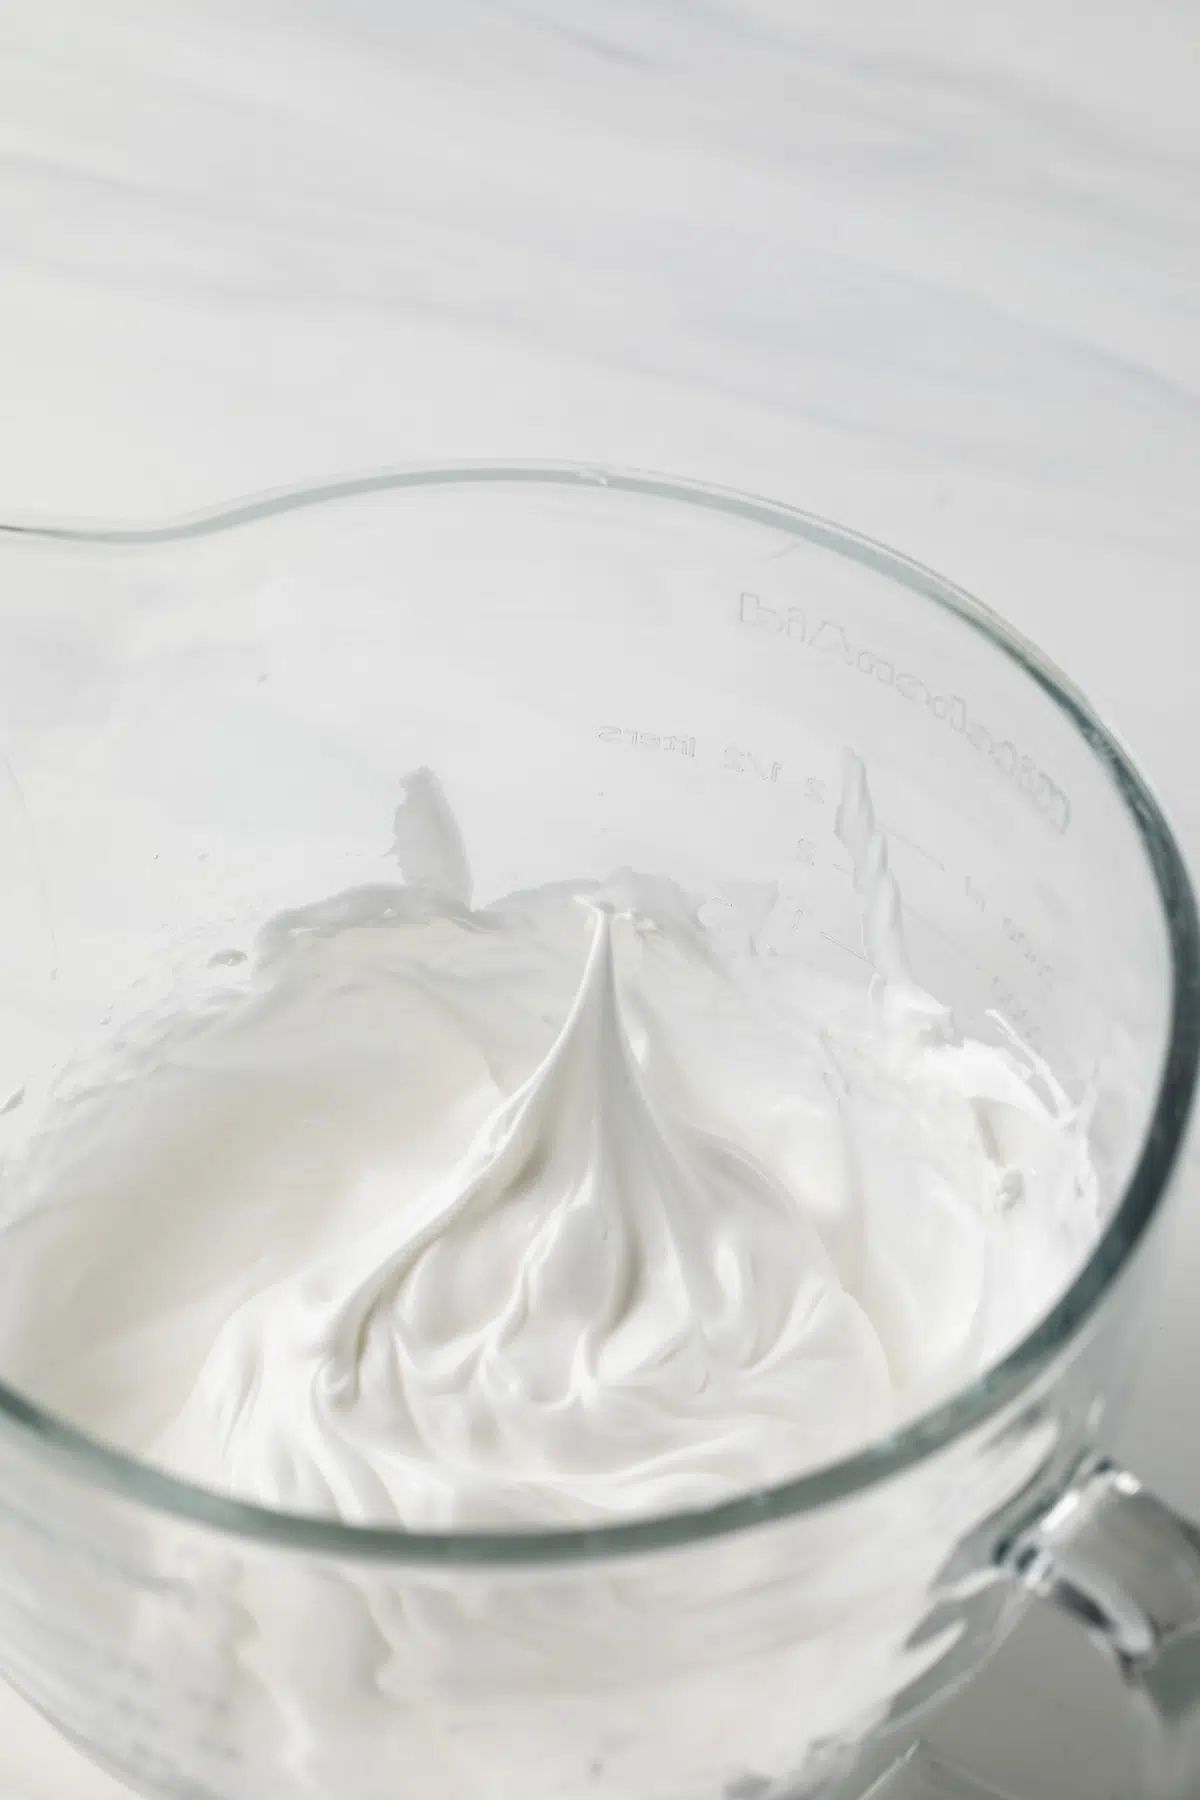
(564, 1209)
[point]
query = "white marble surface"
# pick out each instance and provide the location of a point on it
(931, 269)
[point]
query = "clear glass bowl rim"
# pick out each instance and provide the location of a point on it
(100, 1466)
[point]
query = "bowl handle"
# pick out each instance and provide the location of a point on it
(1126, 1568)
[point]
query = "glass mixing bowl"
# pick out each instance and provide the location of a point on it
(205, 724)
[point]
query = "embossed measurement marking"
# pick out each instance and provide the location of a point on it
(648, 740)
(759, 768)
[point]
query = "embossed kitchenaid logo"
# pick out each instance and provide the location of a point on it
(829, 637)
